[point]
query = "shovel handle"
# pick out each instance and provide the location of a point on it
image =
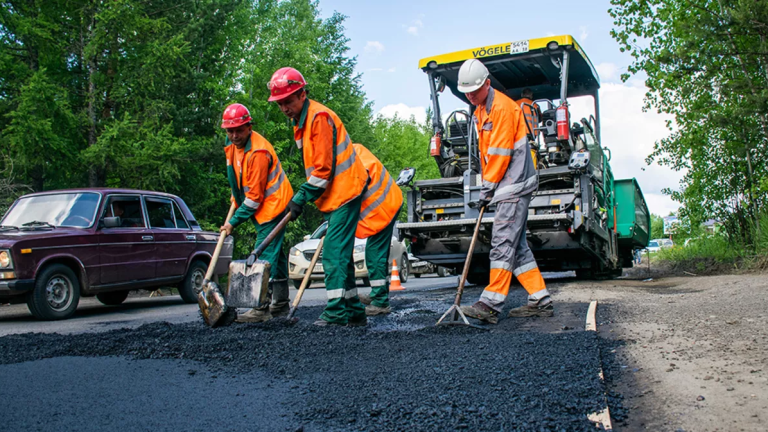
(465, 272)
(260, 248)
(217, 251)
(305, 281)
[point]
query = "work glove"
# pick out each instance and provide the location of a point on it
(295, 209)
(485, 199)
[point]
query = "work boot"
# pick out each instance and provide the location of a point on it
(364, 299)
(372, 310)
(280, 299)
(534, 308)
(323, 323)
(254, 316)
(481, 311)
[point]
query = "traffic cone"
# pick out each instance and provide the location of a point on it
(394, 283)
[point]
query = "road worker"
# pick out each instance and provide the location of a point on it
(335, 182)
(509, 180)
(261, 191)
(378, 215)
(531, 111)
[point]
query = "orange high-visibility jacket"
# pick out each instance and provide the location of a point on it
(381, 201)
(508, 170)
(342, 181)
(257, 179)
(531, 115)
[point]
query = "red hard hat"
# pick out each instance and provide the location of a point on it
(285, 82)
(235, 115)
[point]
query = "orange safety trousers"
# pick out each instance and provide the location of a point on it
(510, 255)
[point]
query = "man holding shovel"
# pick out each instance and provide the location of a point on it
(335, 183)
(378, 214)
(509, 180)
(261, 191)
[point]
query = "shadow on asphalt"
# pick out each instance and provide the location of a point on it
(20, 312)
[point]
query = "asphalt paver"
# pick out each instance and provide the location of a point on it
(399, 373)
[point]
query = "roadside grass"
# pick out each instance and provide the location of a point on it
(718, 254)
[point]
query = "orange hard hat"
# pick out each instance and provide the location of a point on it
(235, 115)
(285, 82)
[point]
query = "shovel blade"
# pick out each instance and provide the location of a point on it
(213, 307)
(248, 286)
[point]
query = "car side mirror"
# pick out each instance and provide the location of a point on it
(306, 237)
(112, 222)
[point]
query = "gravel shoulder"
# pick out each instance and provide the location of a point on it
(686, 353)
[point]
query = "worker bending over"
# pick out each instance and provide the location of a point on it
(509, 180)
(335, 182)
(378, 215)
(261, 191)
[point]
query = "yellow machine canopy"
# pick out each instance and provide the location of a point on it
(530, 63)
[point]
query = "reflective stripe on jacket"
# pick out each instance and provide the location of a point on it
(381, 201)
(508, 170)
(267, 194)
(343, 180)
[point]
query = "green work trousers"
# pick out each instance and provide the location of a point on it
(343, 303)
(377, 260)
(274, 252)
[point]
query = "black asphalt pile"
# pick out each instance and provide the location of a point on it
(512, 377)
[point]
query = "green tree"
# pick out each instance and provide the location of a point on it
(706, 63)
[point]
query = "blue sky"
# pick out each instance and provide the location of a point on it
(389, 38)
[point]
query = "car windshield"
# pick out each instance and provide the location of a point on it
(320, 231)
(653, 244)
(76, 210)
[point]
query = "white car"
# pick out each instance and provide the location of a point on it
(300, 256)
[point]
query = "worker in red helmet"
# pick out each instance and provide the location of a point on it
(261, 191)
(335, 182)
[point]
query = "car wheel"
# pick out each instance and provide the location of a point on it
(112, 298)
(193, 282)
(404, 271)
(296, 283)
(417, 275)
(442, 272)
(56, 294)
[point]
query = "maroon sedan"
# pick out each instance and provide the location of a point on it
(58, 246)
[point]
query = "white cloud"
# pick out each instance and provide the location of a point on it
(607, 72)
(414, 26)
(391, 70)
(374, 47)
(631, 133)
(584, 34)
(375, 70)
(403, 111)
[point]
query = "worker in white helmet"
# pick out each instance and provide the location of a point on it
(509, 180)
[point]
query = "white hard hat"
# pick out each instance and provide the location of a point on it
(472, 75)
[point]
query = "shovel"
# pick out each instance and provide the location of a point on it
(305, 283)
(249, 279)
(454, 314)
(210, 299)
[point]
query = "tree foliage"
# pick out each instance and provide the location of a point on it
(706, 63)
(129, 93)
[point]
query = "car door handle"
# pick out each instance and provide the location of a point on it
(147, 238)
(191, 238)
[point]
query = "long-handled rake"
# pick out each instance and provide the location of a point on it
(304, 283)
(454, 314)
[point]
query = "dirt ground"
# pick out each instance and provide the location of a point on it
(686, 353)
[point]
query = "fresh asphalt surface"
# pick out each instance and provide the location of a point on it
(152, 364)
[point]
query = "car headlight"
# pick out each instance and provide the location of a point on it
(359, 249)
(295, 252)
(5, 259)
